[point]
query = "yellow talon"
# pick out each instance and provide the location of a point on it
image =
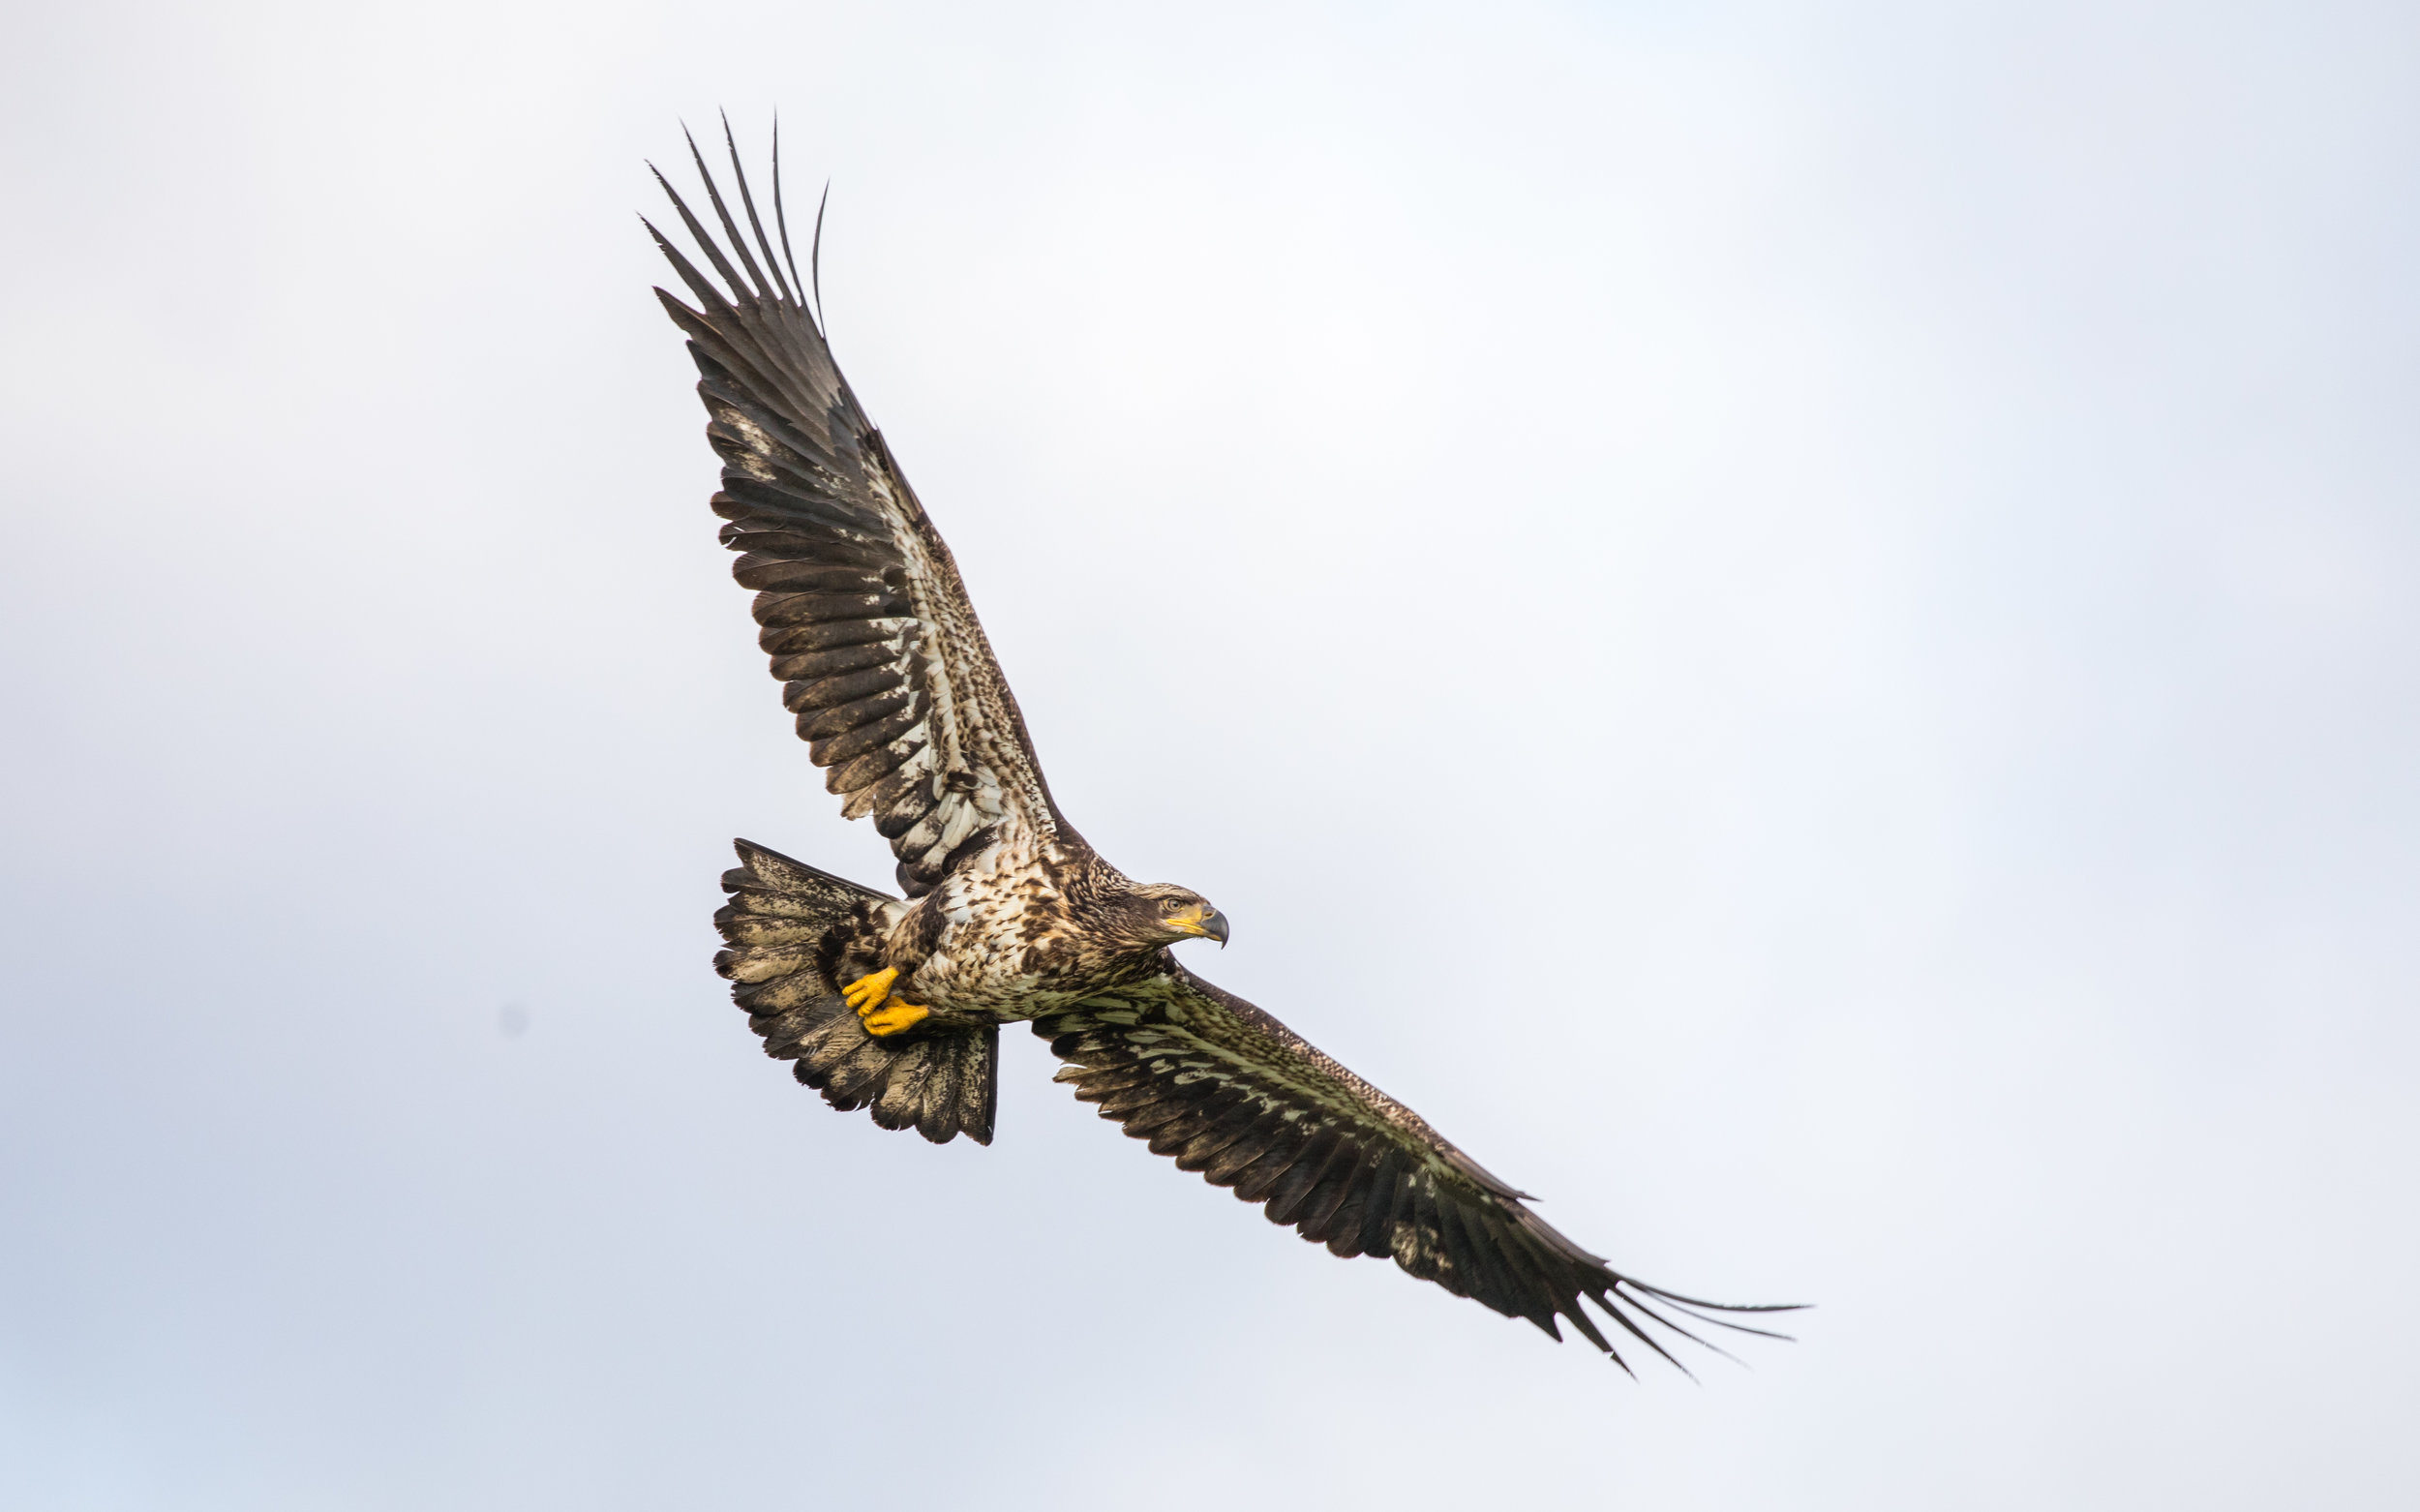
(865, 993)
(898, 1019)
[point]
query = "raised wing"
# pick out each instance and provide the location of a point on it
(1233, 1094)
(895, 689)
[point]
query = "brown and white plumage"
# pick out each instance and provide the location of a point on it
(882, 659)
(1008, 914)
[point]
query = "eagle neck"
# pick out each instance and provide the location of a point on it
(1087, 880)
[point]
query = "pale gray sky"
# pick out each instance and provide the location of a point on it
(1795, 620)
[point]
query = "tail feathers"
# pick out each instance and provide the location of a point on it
(795, 935)
(941, 1082)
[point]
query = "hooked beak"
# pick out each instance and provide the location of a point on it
(1203, 920)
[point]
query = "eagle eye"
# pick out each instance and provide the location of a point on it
(1170, 905)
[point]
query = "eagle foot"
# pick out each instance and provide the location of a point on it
(896, 1018)
(867, 994)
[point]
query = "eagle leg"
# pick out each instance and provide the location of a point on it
(867, 994)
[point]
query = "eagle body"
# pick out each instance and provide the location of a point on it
(893, 1003)
(1019, 928)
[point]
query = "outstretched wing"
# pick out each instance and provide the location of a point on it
(895, 689)
(1233, 1094)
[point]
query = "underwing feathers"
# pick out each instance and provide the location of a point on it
(1227, 1091)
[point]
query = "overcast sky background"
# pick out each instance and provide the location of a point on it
(1795, 620)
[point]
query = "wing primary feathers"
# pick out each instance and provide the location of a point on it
(706, 294)
(757, 282)
(1524, 1294)
(1724, 1322)
(1523, 1265)
(1588, 1330)
(706, 242)
(782, 220)
(1641, 1335)
(1678, 1300)
(815, 262)
(1571, 1309)
(739, 174)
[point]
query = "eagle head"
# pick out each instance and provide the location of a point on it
(1154, 914)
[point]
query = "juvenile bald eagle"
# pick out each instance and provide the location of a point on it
(896, 1004)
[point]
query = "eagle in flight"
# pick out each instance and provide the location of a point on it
(894, 1004)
